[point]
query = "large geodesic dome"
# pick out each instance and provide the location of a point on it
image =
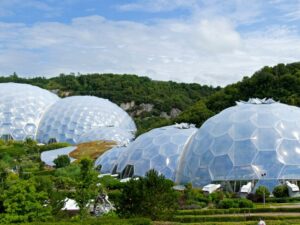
(158, 149)
(72, 117)
(21, 109)
(118, 135)
(254, 140)
(109, 159)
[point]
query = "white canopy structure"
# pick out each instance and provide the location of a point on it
(210, 188)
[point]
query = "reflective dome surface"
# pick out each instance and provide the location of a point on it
(253, 140)
(157, 149)
(120, 136)
(72, 117)
(21, 109)
(108, 160)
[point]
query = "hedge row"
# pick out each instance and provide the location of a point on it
(232, 211)
(283, 200)
(100, 221)
(230, 218)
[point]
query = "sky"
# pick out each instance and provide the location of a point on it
(213, 42)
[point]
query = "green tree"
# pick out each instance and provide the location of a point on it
(62, 161)
(281, 191)
(22, 202)
(262, 192)
(87, 188)
(151, 196)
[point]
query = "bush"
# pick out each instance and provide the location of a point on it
(260, 192)
(245, 203)
(216, 197)
(235, 203)
(281, 191)
(62, 161)
(111, 183)
(228, 203)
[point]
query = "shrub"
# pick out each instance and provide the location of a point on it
(228, 203)
(111, 183)
(216, 197)
(235, 203)
(260, 192)
(281, 191)
(245, 203)
(62, 161)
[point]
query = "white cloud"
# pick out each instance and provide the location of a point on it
(204, 51)
(157, 5)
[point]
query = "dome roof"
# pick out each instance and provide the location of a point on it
(71, 117)
(108, 160)
(157, 149)
(120, 136)
(259, 139)
(21, 109)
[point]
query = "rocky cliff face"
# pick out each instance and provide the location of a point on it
(137, 110)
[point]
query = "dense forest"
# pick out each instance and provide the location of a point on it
(151, 102)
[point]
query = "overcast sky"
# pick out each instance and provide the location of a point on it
(213, 42)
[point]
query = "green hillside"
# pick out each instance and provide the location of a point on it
(281, 82)
(151, 102)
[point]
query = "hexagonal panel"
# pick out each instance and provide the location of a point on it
(266, 162)
(288, 130)
(242, 173)
(206, 158)
(108, 160)
(266, 139)
(221, 145)
(220, 167)
(265, 119)
(243, 152)
(290, 172)
(289, 152)
(242, 131)
(241, 116)
(203, 176)
(221, 128)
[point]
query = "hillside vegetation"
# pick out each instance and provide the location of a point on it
(158, 103)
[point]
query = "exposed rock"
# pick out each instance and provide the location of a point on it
(127, 105)
(144, 107)
(164, 115)
(174, 112)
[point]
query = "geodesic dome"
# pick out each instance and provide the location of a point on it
(157, 149)
(73, 116)
(108, 160)
(120, 136)
(21, 109)
(257, 140)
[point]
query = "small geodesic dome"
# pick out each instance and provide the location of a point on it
(254, 140)
(118, 135)
(108, 160)
(21, 109)
(157, 149)
(71, 117)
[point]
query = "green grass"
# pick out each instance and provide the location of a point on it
(237, 211)
(269, 222)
